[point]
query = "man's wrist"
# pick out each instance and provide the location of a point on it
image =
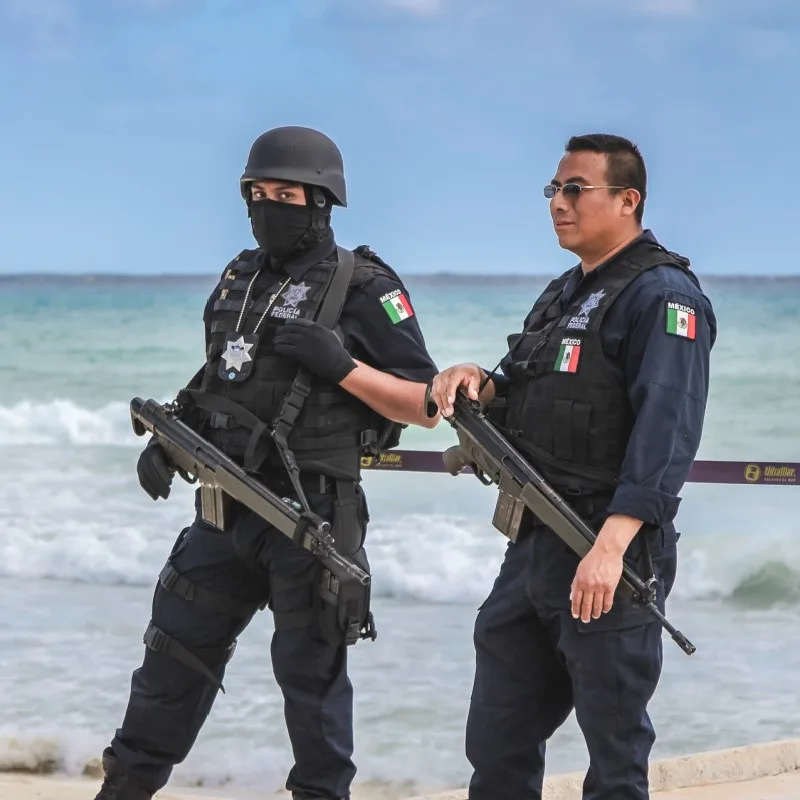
(345, 371)
(617, 533)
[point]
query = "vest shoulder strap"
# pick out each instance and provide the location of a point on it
(370, 265)
(655, 255)
(550, 295)
(245, 255)
(333, 302)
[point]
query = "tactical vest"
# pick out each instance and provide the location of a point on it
(567, 409)
(333, 428)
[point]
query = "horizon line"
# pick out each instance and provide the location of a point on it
(125, 276)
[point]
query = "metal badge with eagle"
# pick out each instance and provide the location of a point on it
(580, 322)
(292, 297)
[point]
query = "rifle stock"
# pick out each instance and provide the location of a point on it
(522, 489)
(199, 461)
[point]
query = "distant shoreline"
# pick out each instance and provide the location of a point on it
(438, 277)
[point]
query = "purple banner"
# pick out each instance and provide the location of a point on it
(732, 472)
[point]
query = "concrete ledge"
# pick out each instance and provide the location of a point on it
(747, 763)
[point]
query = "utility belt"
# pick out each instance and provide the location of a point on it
(586, 504)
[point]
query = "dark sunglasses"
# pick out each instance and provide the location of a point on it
(572, 189)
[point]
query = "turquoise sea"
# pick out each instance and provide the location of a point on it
(81, 544)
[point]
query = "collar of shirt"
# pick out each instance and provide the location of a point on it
(296, 268)
(578, 279)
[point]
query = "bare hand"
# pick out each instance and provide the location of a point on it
(595, 581)
(446, 384)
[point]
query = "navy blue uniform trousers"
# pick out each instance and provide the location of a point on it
(535, 664)
(170, 701)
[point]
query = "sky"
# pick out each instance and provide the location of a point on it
(125, 125)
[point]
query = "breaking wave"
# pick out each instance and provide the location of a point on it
(87, 521)
(63, 422)
(428, 559)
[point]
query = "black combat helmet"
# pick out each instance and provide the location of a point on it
(300, 155)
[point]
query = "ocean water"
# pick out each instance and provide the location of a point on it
(81, 544)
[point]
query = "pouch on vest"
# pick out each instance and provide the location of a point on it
(385, 435)
(350, 517)
(342, 613)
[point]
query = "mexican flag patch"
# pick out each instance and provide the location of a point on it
(569, 354)
(681, 320)
(396, 306)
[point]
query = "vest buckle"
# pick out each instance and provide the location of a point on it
(219, 420)
(368, 441)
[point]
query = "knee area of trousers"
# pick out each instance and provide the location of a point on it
(301, 660)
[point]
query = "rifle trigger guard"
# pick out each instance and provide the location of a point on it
(481, 476)
(651, 585)
(185, 475)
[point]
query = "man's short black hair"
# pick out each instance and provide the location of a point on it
(625, 165)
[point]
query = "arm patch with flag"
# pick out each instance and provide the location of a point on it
(569, 354)
(396, 306)
(681, 320)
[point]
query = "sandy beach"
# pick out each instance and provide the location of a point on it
(778, 787)
(755, 772)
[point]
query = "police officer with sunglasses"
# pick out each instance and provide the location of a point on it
(604, 390)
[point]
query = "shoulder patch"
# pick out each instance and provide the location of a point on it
(396, 305)
(681, 320)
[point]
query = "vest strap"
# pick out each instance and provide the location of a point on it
(295, 398)
(606, 478)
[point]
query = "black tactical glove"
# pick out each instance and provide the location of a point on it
(155, 471)
(316, 347)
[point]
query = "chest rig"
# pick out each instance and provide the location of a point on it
(325, 429)
(567, 408)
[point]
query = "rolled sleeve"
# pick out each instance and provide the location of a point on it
(649, 505)
(668, 378)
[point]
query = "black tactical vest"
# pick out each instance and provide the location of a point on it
(567, 409)
(334, 428)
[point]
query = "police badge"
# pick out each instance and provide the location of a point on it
(236, 363)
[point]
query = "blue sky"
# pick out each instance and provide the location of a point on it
(125, 125)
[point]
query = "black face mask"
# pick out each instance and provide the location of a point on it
(284, 229)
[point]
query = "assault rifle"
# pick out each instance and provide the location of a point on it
(522, 489)
(221, 478)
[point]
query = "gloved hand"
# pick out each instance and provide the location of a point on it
(316, 347)
(155, 471)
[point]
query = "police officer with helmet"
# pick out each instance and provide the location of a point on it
(314, 359)
(604, 392)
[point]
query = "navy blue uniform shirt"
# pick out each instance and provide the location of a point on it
(666, 378)
(397, 348)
